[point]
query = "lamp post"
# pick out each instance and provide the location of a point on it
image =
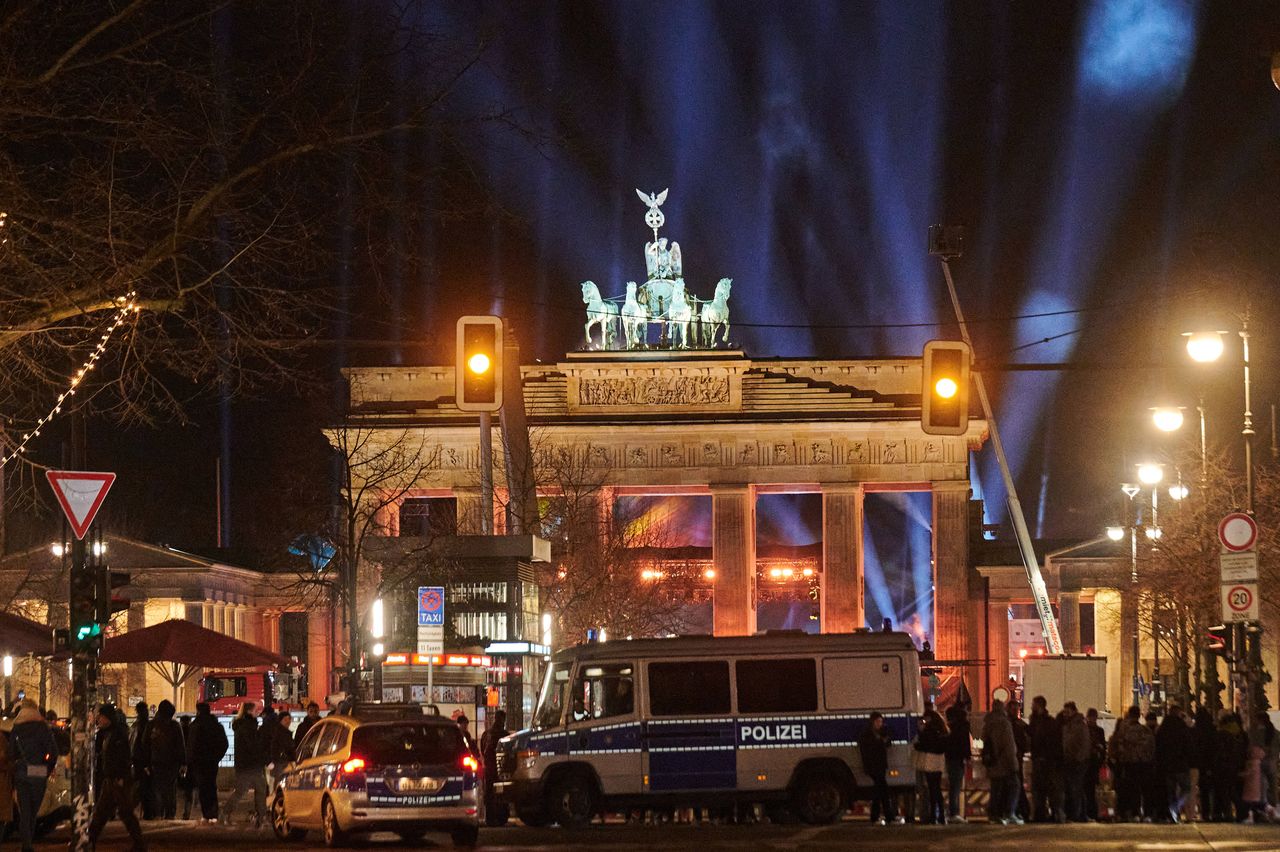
(1206, 347)
(8, 673)
(377, 629)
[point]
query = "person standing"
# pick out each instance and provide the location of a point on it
(1097, 758)
(164, 752)
(114, 771)
(496, 814)
(1000, 759)
(280, 745)
(186, 779)
(1231, 747)
(309, 720)
(143, 792)
(205, 748)
(1022, 740)
(1174, 748)
(1204, 735)
(1263, 735)
(873, 748)
(250, 765)
(1046, 763)
(1077, 751)
(34, 756)
(959, 752)
(1132, 747)
(930, 752)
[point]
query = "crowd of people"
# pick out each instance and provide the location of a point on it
(1155, 765)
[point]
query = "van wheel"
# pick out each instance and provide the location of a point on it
(533, 817)
(818, 799)
(333, 833)
(571, 800)
(465, 838)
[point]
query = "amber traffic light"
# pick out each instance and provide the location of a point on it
(478, 367)
(944, 396)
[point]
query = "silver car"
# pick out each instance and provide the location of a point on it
(409, 775)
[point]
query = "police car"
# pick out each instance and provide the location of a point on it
(773, 718)
(381, 768)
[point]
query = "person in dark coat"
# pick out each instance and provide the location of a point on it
(205, 748)
(1231, 748)
(164, 753)
(1022, 741)
(495, 813)
(250, 764)
(959, 751)
(873, 748)
(61, 735)
(1077, 750)
(186, 778)
(1173, 757)
(144, 793)
(280, 748)
(1204, 742)
(1046, 763)
(1132, 749)
(1097, 758)
(113, 762)
(1154, 805)
(1000, 759)
(930, 751)
(308, 721)
(34, 755)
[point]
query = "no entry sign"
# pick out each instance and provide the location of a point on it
(1237, 532)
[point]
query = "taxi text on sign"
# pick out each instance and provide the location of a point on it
(430, 619)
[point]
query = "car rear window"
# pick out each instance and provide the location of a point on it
(398, 743)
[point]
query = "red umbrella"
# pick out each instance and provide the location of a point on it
(177, 648)
(20, 637)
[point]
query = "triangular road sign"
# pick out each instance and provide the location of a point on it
(81, 494)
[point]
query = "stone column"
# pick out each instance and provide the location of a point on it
(954, 638)
(842, 586)
(319, 653)
(468, 509)
(1069, 621)
(733, 551)
(236, 628)
(997, 648)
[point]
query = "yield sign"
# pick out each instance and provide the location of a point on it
(81, 494)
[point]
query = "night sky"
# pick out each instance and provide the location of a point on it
(1117, 165)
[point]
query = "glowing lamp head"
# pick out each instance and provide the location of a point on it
(1150, 473)
(479, 363)
(946, 387)
(1205, 346)
(1167, 419)
(1178, 492)
(1115, 533)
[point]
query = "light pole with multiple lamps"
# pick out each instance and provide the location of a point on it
(1205, 347)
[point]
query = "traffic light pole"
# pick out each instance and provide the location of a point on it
(84, 672)
(1048, 623)
(486, 473)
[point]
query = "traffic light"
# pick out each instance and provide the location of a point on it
(944, 397)
(478, 368)
(83, 626)
(104, 604)
(1220, 642)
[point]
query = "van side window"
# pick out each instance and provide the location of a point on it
(694, 688)
(601, 691)
(777, 686)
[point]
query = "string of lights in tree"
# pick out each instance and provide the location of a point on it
(127, 307)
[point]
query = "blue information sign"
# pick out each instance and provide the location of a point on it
(430, 606)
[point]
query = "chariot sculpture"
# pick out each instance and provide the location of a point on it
(660, 313)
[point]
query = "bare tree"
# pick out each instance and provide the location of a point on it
(199, 158)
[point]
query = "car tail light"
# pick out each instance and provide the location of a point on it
(355, 764)
(470, 764)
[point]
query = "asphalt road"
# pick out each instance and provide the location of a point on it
(849, 834)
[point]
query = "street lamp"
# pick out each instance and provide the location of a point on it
(1150, 473)
(1178, 492)
(1205, 346)
(1115, 533)
(8, 673)
(1167, 418)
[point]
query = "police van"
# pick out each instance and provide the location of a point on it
(773, 718)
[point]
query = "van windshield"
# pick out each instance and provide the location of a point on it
(551, 702)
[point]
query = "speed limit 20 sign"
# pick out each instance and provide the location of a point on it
(1239, 602)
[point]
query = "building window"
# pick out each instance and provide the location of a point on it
(429, 516)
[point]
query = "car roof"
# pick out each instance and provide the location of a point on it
(770, 642)
(357, 722)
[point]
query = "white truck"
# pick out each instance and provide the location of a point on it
(1082, 679)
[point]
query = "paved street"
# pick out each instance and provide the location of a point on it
(623, 838)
